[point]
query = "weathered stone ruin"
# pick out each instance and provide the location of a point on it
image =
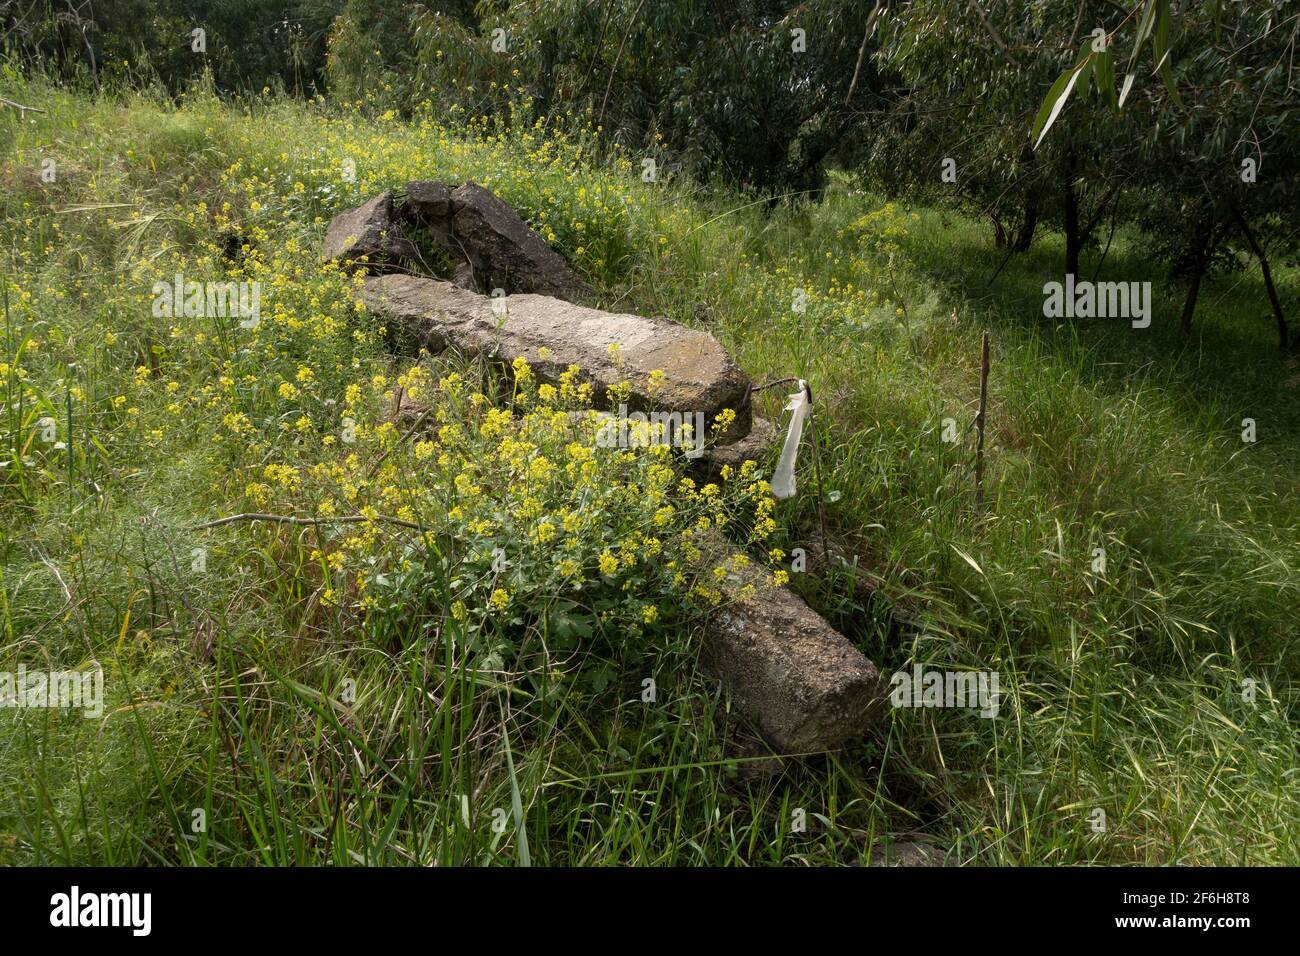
(802, 684)
(494, 248)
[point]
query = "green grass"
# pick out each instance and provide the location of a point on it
(1120, 691)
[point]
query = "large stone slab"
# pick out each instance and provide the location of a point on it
(801, 683)
(496, 249)
(371, 231)
(504, 251)
(698, 374)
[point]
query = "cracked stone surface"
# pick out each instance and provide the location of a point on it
(699, 375)
(802, 683)
(371, 231)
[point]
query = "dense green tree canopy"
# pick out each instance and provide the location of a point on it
(1075, 115)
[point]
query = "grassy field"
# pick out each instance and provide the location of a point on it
(371, 693)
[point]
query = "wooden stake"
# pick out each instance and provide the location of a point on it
(979, 425)
(817, 473)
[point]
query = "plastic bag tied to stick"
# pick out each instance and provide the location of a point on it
(800, 407)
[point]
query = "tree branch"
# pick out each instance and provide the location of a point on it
(293, 519)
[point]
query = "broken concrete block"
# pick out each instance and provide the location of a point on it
(755, 446)
(505, 252)
(698, 374)
(797, 679)
(369, 230)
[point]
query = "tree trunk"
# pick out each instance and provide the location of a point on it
(1200, 260)
(1025, 235)
(1282, 331)
(1073, 237)
(1193, 291)
(1029, 221)
(999, 232)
